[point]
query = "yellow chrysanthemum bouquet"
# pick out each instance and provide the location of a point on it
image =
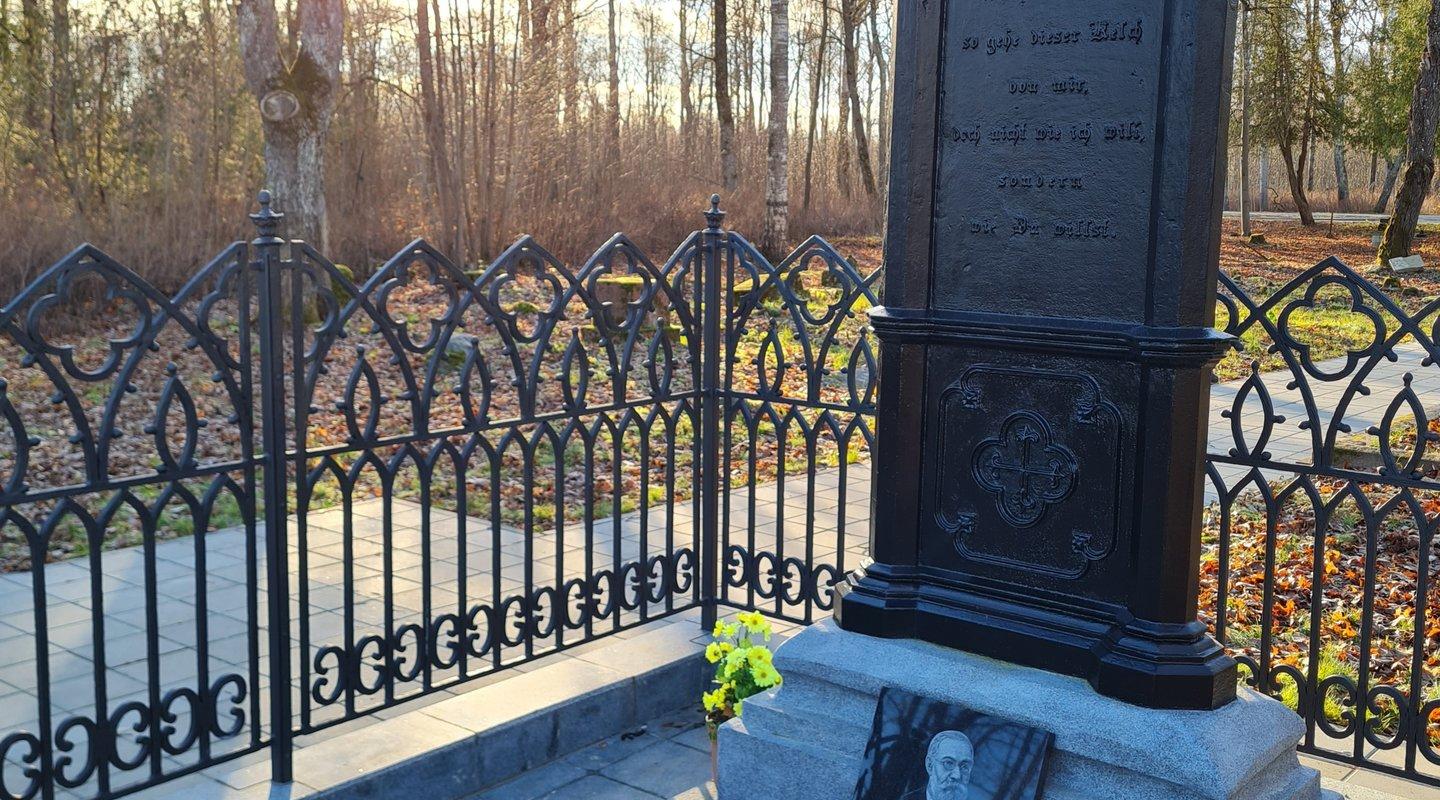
(744, 667)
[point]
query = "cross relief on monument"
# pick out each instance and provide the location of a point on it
(1010, 459)
(1025, 469)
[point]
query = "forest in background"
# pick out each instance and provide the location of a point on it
(130, 125)
(137, 125)
(1328, 85)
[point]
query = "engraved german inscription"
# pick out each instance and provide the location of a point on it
(1048, 153)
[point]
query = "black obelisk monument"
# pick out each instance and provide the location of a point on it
(1051, 263)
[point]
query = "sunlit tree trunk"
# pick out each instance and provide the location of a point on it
(687, 98)
(1420, 147)
(850, 11)
(1247, 52)
(1339, 11)
(777, 186)
(1392, 172)
(882, 71)
(612, 123)
(442, 173)
(297, 98)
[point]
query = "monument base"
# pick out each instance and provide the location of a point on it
(807, 741)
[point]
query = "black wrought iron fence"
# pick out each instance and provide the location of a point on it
(1320, 563)
(286, 498)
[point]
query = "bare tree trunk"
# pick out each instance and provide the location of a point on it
(687, 100)
(32, 30)
(1392, 171)
(62, 106)
(882, 69)
(729, 162)
(1420, 147)
(815, 84)
(612, 123)
(1245, 65)
(777, 187)
(850, 18)
(1338, 14)
(442, 173)
(1263, 201)
(488, 232)
(62, 80)
(297, 98)
(1295, 176)
(842, 133)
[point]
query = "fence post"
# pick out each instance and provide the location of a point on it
(275, 489)
(711, 311)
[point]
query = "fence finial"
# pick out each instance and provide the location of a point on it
(714, 218)
(267, 220)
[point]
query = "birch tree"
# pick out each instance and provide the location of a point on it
(777, 185)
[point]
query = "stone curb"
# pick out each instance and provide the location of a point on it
(508, 727)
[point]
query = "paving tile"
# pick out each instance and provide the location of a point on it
(706, 792)
(696, 737)
(598, 756)
(537, 783)
(595, 787)
(523, 694)
(200, 787)
(665, 769)
(343, 758)
(1398, 787)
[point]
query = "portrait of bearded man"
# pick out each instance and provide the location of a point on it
(948, 762)
(922, 748)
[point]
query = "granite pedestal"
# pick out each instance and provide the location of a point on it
(807, 740)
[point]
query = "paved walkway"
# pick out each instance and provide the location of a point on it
(1324, 216)
(670, 759)
(1291, 444)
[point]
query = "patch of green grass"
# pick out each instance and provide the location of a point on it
(1328, 330)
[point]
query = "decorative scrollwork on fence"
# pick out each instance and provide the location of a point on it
(375, 663)
(113, 392)
(1319, 568)
(128, 738)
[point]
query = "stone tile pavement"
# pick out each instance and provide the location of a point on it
(1291, 444)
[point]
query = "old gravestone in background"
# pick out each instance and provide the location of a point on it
(1051, 265)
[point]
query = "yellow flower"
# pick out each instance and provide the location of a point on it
(759, 657)
(765, 676)
(755, 623)
(716, 651)
(739, 707)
